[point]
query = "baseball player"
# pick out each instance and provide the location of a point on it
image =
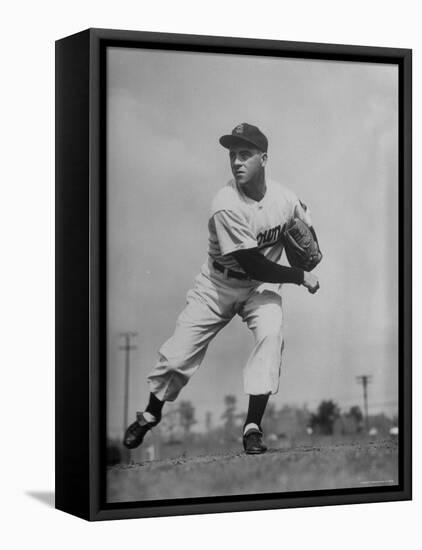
(241, 277)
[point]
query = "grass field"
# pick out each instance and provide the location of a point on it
(325, 465)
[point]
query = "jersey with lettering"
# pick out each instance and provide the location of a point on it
(238, 222)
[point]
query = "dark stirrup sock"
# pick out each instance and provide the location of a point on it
(154, 406)
(256, 409)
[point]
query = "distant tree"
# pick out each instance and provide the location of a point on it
(323, 420)
(356, 414)
(229, 414)
(187, 415)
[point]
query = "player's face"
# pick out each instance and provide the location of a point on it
(246, 163)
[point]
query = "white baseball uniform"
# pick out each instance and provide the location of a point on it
(236, 223)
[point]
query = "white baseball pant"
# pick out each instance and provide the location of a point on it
(211, 304)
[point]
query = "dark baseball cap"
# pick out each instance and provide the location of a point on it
(245, 133)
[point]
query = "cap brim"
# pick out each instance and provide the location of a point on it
(231, 141)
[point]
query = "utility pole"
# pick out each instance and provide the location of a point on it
(364, 379)
(127, 349)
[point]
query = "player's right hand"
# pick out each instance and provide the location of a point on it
(311, 282)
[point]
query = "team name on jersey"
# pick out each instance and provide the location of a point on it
(269, 236)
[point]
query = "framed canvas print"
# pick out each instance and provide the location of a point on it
(233, 274)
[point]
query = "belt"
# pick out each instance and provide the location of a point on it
(230, 272)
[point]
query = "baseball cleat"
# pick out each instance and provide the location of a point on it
(136, 432)
(252, 442)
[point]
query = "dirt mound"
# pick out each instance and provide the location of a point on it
(304, 468)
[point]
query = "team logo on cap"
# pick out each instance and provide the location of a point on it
(239, 129)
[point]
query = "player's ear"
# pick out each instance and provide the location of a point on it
(264, 158)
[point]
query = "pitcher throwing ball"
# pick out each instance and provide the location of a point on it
(252, 220)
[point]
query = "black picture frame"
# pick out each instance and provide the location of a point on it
(81, 275)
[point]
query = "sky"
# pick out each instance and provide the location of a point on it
(332, 130)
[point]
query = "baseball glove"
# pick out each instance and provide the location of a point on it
(301, 245)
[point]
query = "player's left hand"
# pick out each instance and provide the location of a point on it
(310, 281)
